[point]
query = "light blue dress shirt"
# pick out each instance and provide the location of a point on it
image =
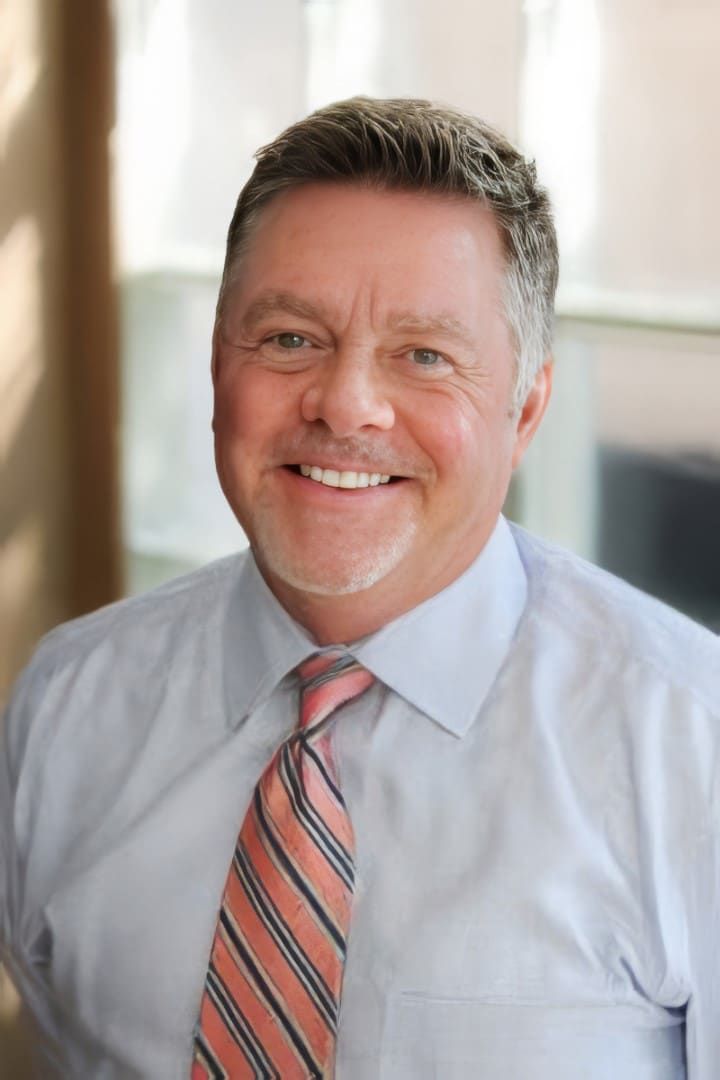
(534, 786)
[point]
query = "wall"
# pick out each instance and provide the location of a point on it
(36, 486)
(58, 342)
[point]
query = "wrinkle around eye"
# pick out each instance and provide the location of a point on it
(440, 367)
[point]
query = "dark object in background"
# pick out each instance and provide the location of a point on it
(659, 526)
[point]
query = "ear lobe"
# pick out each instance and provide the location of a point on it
(533, 411)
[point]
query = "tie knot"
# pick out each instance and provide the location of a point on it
(327, 681)
(322, 664)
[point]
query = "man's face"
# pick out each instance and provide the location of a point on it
(364, 337)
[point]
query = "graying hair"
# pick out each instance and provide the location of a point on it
(412, 145)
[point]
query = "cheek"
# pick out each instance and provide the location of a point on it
(452, 433)
(249, 404)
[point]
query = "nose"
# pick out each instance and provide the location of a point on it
(348, 393)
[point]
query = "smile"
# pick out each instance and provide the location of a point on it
(345, 479)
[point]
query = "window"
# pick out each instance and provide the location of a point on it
(616, 101)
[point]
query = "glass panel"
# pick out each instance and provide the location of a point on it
(619, 105)
(175, 515)
(626, 469)
(659, 466)
(199, 88)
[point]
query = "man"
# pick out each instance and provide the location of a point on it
(490, 848)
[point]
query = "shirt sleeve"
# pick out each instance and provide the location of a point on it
(8, 873)
(18, 798)
(673, 786)
(703, 1009)
(9, 862)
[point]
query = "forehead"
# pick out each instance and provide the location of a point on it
(403, 248)
(349, 208)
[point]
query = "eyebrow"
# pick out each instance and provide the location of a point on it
(447, 325)
(284, 303)
(408, 322)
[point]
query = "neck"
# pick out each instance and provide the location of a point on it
(334, 620)
(344, 618)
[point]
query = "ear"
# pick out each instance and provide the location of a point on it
(215, 361)
(532, 411)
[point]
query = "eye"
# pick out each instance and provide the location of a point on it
(288, 340)
(426, 357)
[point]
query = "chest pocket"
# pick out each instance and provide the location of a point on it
(432, 1038)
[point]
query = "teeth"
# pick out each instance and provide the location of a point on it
(347, 479)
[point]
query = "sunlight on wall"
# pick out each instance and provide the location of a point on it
(560, 87)
(20, 375)
(153, 132)
(20, 325)
(21, 567)
(21, 372)
(343, 45)
(559, 101)
(19, 64)
(21, 339)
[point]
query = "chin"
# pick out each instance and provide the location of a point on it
(335, 573)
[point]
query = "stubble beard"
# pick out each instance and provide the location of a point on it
(340, 569)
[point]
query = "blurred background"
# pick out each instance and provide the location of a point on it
(126, 131)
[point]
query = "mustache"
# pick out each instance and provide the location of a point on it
(307, 447)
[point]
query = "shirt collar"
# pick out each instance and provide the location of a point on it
(262, 643)
(442, 656)
(445, 654)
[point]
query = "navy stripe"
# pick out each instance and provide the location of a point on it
(264, 988)
(209, 1061)
(297, 881)
(316, 827)
(237, 1024)
(343, 663)
(280, 931)
(325, 839)
(322, 767)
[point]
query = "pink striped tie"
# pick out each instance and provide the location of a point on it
(272, 991)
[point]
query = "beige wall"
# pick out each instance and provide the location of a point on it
(35, 495)
(58, 343)
(34, 499)
(658, 147)
(465, 52)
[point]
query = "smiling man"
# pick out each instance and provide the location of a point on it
(365, 423)
(401, 792)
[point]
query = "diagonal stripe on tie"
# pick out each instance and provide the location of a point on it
(320, 829)
(280, 930)
(272, 991)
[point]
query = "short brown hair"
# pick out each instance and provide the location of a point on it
(413, 145)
